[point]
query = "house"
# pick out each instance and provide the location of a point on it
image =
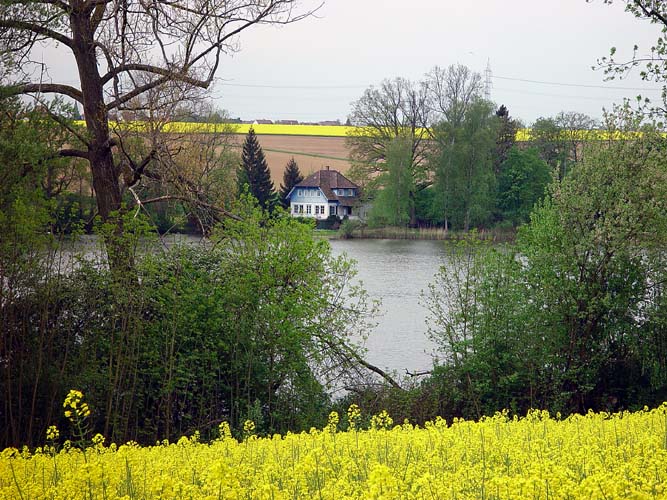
(324, 193)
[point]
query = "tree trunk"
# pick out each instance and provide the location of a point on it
(105, 174)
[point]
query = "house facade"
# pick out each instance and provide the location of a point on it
(324, 193)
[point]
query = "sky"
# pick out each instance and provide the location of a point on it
(540, 53)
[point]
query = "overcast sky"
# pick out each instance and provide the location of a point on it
(314, 69)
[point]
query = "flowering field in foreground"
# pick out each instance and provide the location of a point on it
(595, 456)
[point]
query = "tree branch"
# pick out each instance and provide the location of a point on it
(148, 68)
(76, 153)
(46, 88)
(652, 13)
(175, 197)
(36, 29)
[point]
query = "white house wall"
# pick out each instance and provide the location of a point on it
(309, 202)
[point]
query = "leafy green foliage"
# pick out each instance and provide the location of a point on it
(393, 203)
(547, 138)
(653, 65)
(522, 183)
(255, 324)
(566, 323)
(465, 183)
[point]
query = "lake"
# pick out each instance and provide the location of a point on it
(396, 272)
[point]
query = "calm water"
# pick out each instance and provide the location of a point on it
(396, 272)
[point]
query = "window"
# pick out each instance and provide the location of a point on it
(300, 209)
(332, 210)
(308, 209)
(319, 193)
(317, 210)
(295, 209)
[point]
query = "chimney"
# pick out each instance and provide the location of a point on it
(327, 167)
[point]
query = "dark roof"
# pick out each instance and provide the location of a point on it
(327, 180)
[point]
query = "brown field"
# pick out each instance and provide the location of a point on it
(311, 153)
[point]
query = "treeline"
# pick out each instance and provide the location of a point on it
(574, 315)
(436, 153)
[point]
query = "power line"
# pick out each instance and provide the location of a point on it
(302, 87)
(560, 96)
(561, 84)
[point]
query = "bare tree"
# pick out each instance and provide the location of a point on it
(451, 92)
(575, 128)
(123, 50)
(396, 109)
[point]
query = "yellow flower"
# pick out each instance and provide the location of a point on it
(353, 416)
(52, 433)
(332, 424)
(248, 426)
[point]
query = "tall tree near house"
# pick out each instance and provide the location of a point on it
(255, 172)
(393, 205)
(452, 91)
(397, 108)
(463, 168)
(122, 50)
(291, 177)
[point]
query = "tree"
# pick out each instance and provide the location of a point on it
(396, 109)
(575, 319)
(393, 204)
(255, 172)
(522, 183)
(576, 130)
(464, 180)
(291, 177)
(122, 51)
(196, 174)
(507, 129)
(547, 138)
(654, 64)
(452, 92)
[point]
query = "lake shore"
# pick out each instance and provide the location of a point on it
(424, 233)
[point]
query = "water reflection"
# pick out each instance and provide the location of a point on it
(396, 271)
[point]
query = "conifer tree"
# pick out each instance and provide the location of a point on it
(255, 173)
(505, 138)
(291, 177)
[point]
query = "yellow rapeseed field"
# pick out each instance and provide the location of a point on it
(594, 456)
(522, 135)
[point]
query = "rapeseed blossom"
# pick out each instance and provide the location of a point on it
(598, 456)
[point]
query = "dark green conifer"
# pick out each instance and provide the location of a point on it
(291, 177)
(254, 172)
